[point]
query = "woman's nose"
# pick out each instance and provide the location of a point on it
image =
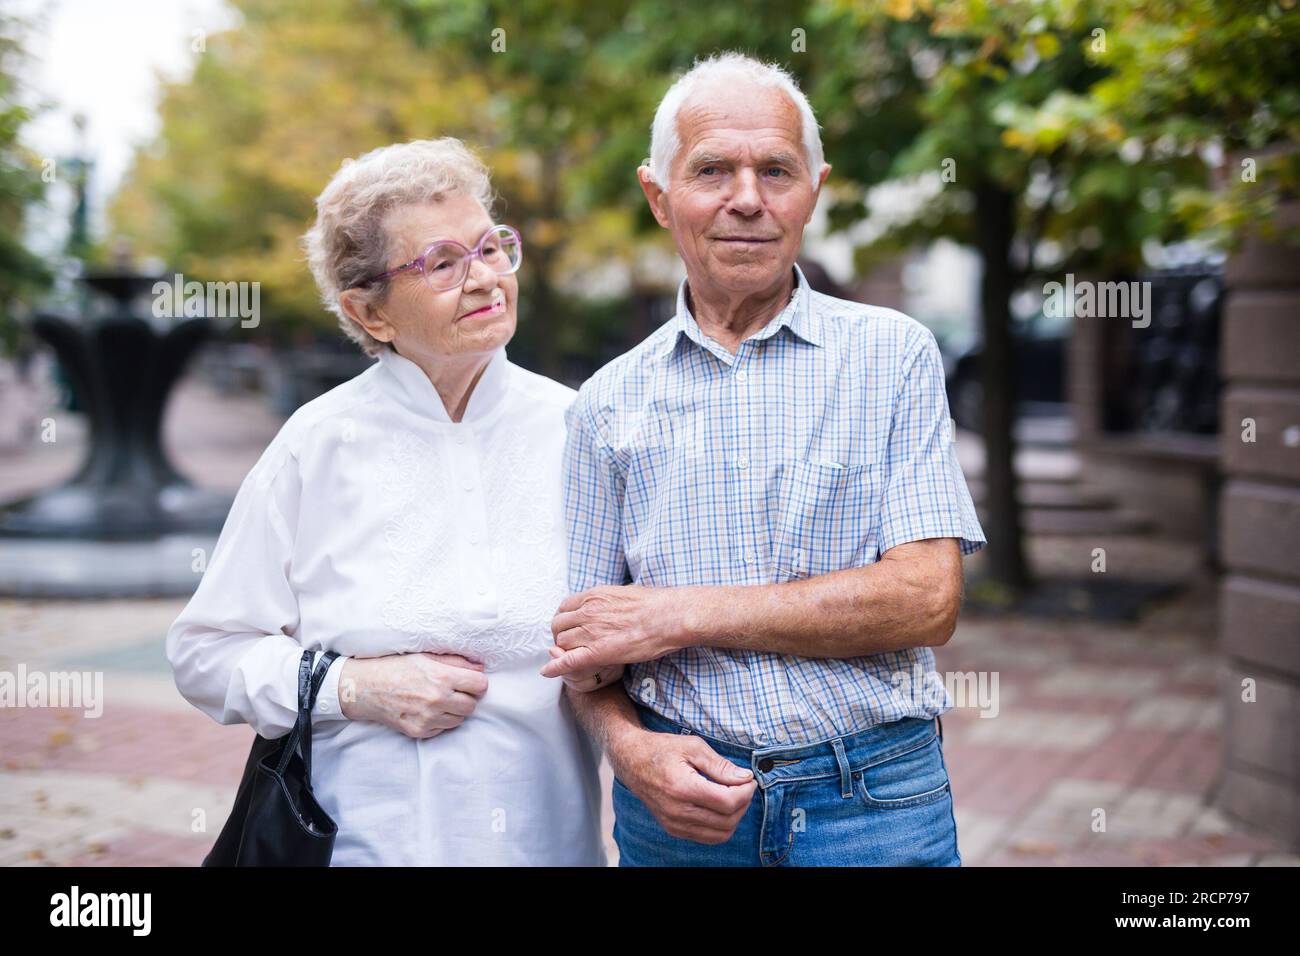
(480, 276)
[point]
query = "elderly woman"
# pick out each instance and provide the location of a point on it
(410, 520)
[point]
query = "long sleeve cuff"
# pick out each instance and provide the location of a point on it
(328, 706)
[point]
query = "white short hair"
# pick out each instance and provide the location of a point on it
(349, 242)
(726, 69)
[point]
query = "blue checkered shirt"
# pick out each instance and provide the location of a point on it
(821, 444)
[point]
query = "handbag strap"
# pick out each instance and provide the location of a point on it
(317, 678)
(309, 685)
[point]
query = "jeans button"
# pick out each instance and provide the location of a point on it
(766, 764)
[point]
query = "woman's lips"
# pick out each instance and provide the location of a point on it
(490, 307)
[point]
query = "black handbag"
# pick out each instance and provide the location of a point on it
(276, 820)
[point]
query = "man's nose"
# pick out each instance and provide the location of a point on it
(746, 199)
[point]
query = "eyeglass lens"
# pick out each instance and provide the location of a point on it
(447, 264)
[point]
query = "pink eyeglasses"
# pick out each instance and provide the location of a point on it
(445, 264)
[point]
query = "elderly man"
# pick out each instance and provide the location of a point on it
(766, 524)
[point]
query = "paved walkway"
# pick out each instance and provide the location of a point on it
(1116, 725)
(1105, 747)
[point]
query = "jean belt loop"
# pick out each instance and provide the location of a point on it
(940, 720)
(846, 780)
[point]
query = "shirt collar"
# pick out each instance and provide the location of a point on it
(413, 386)
(798, 316)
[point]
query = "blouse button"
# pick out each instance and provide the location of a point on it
(482, 589)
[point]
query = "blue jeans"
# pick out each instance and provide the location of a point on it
(876, 798)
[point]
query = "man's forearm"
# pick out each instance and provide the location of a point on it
(610, 718)
(907, 599)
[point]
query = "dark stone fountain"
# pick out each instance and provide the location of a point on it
(128, 521)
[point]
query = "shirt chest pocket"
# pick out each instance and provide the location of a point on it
(826, 517)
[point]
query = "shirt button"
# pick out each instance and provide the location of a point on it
(482, 589)
(749, 559)
(469, 486)
(460, 439)
(742, 462)
(473, 538)
(741, 376)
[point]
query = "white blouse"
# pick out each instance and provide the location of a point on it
(374, 525)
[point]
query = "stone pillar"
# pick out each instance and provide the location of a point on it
(1259, 536)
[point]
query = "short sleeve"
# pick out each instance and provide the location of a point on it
(235, 648)
(925, 493)
(593, 505)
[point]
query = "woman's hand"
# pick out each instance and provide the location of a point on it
(588, 680)
(419, 695)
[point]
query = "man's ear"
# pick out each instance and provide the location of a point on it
(654, 194)
(356, 305)
(817, 188)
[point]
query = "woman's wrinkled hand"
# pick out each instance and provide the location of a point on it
(419, 695)
(586, 681)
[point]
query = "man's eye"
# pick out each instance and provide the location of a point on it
(706, 170)
(776, 171)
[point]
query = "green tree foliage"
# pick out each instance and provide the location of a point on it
(1185, 80)
(22, 274)
(271, 111)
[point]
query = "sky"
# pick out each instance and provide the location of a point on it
(102, 58)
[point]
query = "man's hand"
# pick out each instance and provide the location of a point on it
(419, 695)
(617, 624)
(694, 792)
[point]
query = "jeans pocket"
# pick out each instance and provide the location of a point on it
(914, 778)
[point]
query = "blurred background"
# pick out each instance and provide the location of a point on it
(1131, 643)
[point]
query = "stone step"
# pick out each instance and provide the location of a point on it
(1073, 522)
(1051, 431)
(1032, 464)
(1052, 494)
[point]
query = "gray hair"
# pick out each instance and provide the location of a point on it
(725, 69)
(348, 242)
